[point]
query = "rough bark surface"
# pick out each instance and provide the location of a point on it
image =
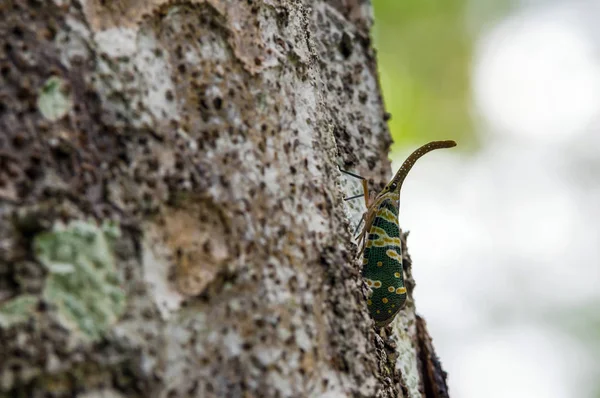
(171, 214)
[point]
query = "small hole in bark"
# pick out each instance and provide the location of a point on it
(346, 46)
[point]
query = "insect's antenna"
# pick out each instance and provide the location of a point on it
(410, 161)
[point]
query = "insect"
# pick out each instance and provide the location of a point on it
(380, 241)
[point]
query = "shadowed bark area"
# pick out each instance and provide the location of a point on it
(171, 213)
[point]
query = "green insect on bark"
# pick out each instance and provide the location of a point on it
(381, 245)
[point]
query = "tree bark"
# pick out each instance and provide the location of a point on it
(171, 213)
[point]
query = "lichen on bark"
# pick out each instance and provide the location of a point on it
(82, 282)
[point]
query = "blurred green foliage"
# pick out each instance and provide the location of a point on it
(424, 56)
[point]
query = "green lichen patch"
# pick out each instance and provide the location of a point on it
(17, 310)
(54, 100)
(82, 282)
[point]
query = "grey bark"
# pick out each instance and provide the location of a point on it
(171, 213)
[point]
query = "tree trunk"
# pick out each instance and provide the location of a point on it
(171, 213)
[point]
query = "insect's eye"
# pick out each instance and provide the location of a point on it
(393, 186)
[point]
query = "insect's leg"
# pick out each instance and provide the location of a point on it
(362, 236)
(365, 185)
(359, 224)
(361, 243)
(366, 191)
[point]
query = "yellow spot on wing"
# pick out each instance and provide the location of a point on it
(397, 274)
(379, 264)
(385, 300)
(379, 231)
(377, 284)
(393, 254)
(369, 302)
(387, 215)
(381, 242)
(401, 290)
(383, 239)
(391, 289)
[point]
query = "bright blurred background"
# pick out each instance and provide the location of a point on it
(505, 228)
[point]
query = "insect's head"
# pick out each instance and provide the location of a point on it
(391, 191)
(390, 187)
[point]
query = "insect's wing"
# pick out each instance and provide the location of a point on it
(382, 264)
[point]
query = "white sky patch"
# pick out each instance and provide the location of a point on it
(500, 237)
(537, 74)
(520, 362)
(503, 225)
